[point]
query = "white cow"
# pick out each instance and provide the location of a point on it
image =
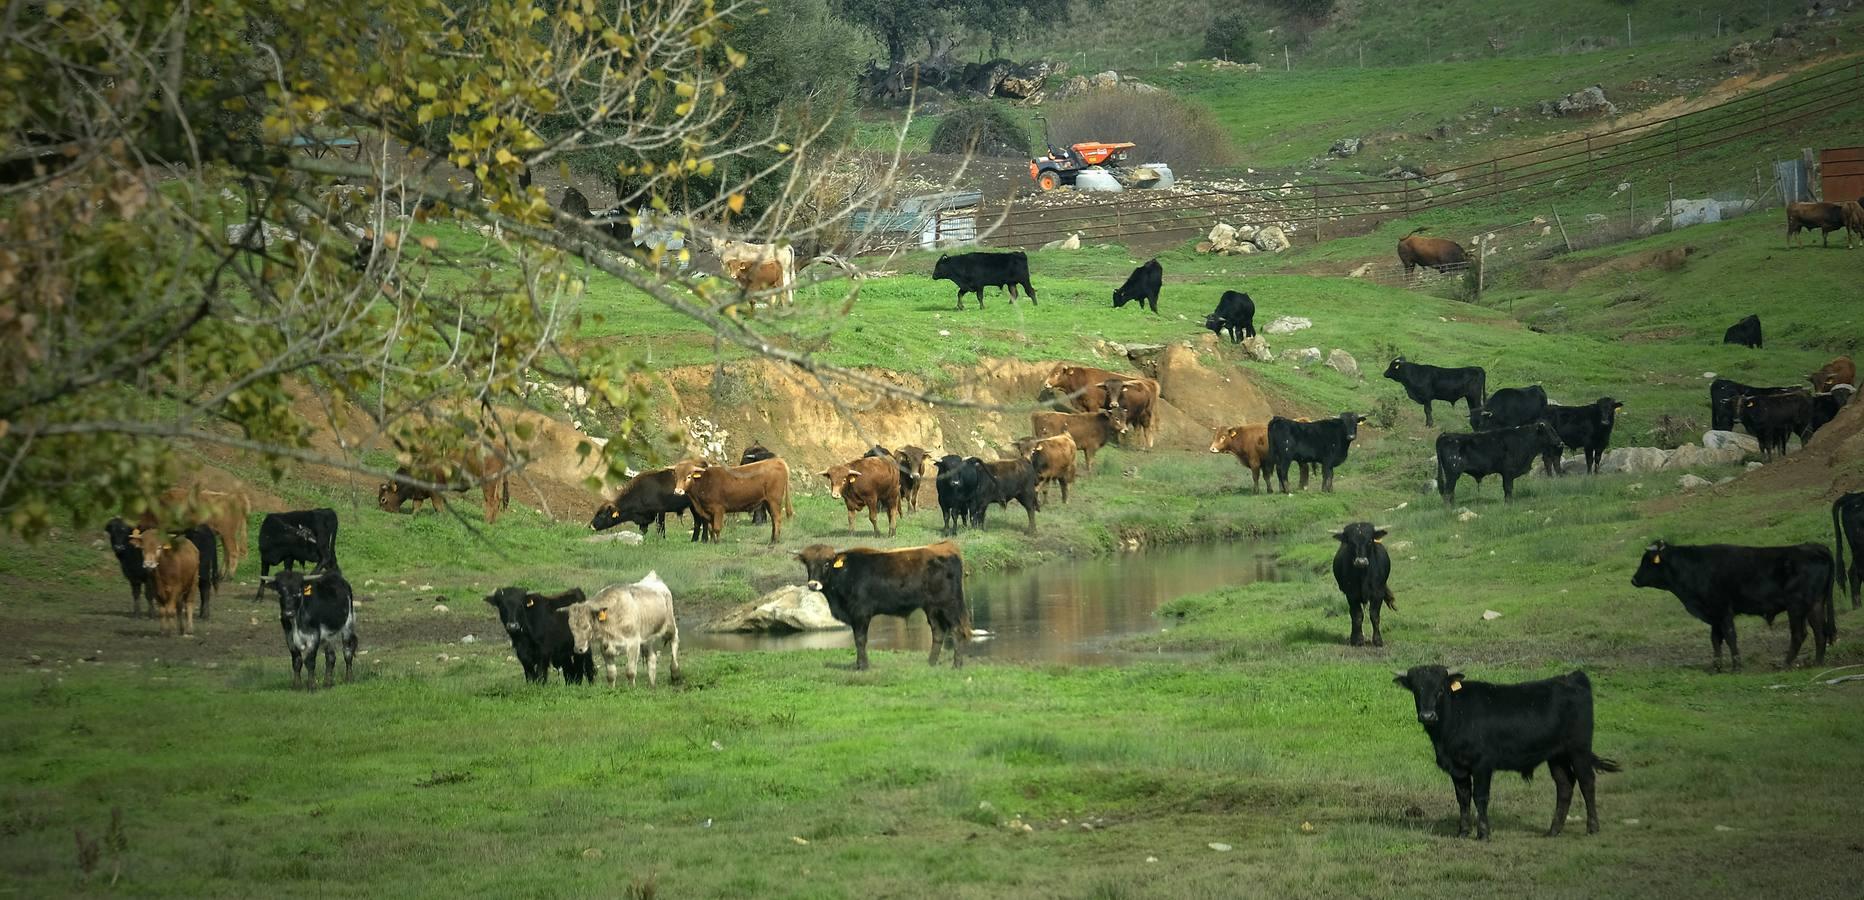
(759, 267)
(628, 619)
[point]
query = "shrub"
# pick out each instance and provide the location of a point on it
(1167, 129)
(981, 129)
(1228, 38)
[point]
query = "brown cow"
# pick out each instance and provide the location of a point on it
(1053, 459)
(1091, 431)
(1436, 253)
(225, 512)
(485, 468)
(1854, 218)
(1136, 399)
(717, 490)
(765, 278)
(1081, 388)
(871, 483)
(1826, 217)
(1250, 445)
(1838, 371)
(912, 462)
(173, 566)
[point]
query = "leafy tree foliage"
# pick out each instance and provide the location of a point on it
(1228, 38)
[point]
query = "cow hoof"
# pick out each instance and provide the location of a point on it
(1378, 642)
(1592, 827)
(1356, 640)
(1553, 832)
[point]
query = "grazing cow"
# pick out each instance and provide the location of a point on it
(1424, 384)
(1361, 568)
(1478, 729)
(1826, 217)
(540, 638)
(1011, 479)
(1745, 332)
(646, 499)
(1717, 582)
(627, 620)
(1723, 393)
(912, 462)
(972, 272)
(758, 267)
(1772, 418)
(1436, 253)
(1825, 406)
(1509, 408)
(1235, 313)
(128, 555)
(1838, 372)
(715, 491)
(1322, 443)
(307, 536)
(1053, 461)
(871, 483)
(172, 565)
(317, 611)
(1091, 431)
(226, 512)
(1508, 452)
(757, 452)
(861, 583)
(1587, 428)
(1848, 531)
(962, 483)
(484, 467)
(1143, 285)
(1250, 445)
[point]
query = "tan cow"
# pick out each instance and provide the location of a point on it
(717, 490)
(173, 566)
(871, 483)
(1839, 371)
(770, 266)
(1091, 431)
(226, 512)
(1053, 459)
(625, 620)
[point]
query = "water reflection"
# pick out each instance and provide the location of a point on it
(1070, 611)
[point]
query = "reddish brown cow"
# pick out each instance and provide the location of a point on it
(1090, 431)
(717, 490)
(1136, 399)
(912, 462)
(173, 566)
(486, 468)
(1250, 445)
(1838, 371)
(225, 512)
(1053, 459)
(1082, 388)
(1436, 253)
(871, 483)
(1826, 217)
(1854, 218)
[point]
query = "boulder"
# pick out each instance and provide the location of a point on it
(792, 608)
(1690, 456)
(1103, 80)
(1306, 356)
(631, 538)
(1362, 271)
(1246, 232)
(1242, 248)
(1345, 147)
(1071, 242)
(1691, 482)
(1589, 102)
(1343, 362)
(1633, 459)
(1718, 440)
(1222, 237)
(1288, 325)
(1271, 239)
(1257, 349)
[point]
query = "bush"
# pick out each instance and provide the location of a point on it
(981, 129)
(1228, 38)
(1166, 129)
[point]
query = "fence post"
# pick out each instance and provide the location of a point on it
(1631, 207)
(1670, 210)
(1314, 201)
(1563, 237)
(1482, 255)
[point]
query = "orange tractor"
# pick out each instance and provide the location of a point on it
(1061, 165)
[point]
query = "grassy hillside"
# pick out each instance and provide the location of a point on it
(784, 774)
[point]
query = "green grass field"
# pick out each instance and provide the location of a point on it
(786, 774)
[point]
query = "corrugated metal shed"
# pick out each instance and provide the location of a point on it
(1841, 173)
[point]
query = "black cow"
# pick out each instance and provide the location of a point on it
(1509, 408)
(1722, 395)
(307, 536)
(1424, 384)
(964, 488)
(129, 559)
(757, 452)
(645, 500)
(1825, 406)
(860, 584)
(1773, 418)
(1717, 582)
(1745, 332)
(1235, 312)
(1478, 729)
(540, 638)
(1509, 452)
(1323, 443)
(1012, 479)
(1361, 568)
(1143, 285)
(1587, 428)
(317, 611)
(205, 541)
(1848, 530)
(972, 272)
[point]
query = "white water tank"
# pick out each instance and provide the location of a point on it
(1097, 180)
(1165, 179)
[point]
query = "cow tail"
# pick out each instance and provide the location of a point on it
(963, 626)
(1391, 599)
(209, 573)
(1838, 537)
(1601, 764)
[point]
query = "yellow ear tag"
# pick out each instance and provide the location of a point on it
(1456, 685)
(601, 615)
(839, 562)
(307, 590)
(1655, 559)
(1378, 540)
(530, 603)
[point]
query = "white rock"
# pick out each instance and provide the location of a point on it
(1633, 459)
(1221, 847)
(469, 639)
(1691, 482)
(1466, 514)
(1362, 271)
(441, 607)
(1152, 859)
(1343, 362)
(1257, 349)
(1222, 237)
(1271, 239)
(1690, 456)
(1723, 828)
(1752, 466)
(1288, 325)
(1717, 440)
(1489, 615)
(425, 587)
(791, 608)
(631, 538)
(1631, 822)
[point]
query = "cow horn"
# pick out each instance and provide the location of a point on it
(315, 576)
(1400, 673)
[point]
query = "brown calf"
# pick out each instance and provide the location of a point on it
(1250, 445)
(225, 512)
(483, 467)
(1136, 399)
(1091, 431)
(1838, 371)
(717, 490)
(1826, 217)
(1053, 459)
(1082, 388)
(871, 483)
(173, 566)
(912, 462)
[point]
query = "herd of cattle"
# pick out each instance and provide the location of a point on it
(1476, 728)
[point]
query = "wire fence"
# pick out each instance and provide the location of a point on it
(1318, 209)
